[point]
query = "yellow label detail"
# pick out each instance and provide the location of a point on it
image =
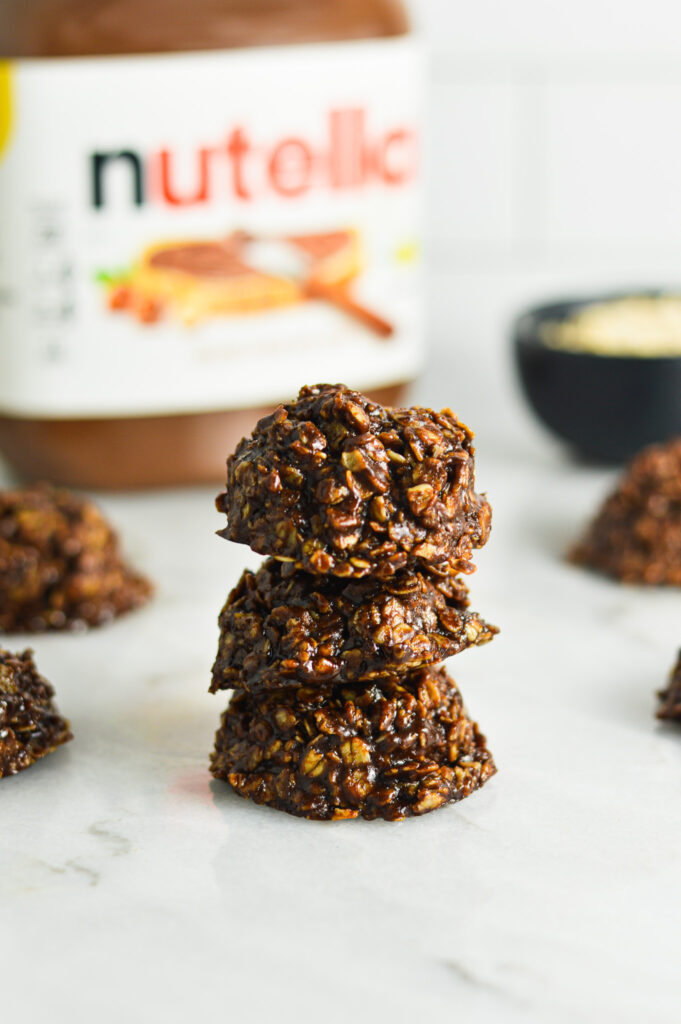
(407, 252)
(6, 112)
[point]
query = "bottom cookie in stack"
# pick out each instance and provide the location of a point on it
(30, 726)
(401, 747)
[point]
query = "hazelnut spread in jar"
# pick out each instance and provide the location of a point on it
(200, 205)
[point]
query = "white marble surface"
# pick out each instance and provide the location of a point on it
(132, 888)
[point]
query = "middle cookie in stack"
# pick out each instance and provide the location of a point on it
(370, 514)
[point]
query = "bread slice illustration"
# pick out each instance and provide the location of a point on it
(192, 280)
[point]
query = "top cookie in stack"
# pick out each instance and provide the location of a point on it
(336, 484)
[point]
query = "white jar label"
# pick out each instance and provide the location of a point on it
(194, 232)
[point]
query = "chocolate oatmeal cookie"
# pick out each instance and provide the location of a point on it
(636, 537)
(670, 698)
(401, 747)
(280, 626)
(336, 484)
(30, 726)
(60, 565)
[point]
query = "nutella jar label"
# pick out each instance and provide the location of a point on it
(196, 232)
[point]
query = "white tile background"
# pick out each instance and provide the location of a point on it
(555, 169)
(554, 129)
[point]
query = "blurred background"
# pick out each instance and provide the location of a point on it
(555, 161)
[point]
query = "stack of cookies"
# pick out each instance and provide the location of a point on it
(368, 516)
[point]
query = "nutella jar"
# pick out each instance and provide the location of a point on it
(203, 206)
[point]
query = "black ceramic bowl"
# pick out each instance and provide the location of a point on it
(607, 407)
